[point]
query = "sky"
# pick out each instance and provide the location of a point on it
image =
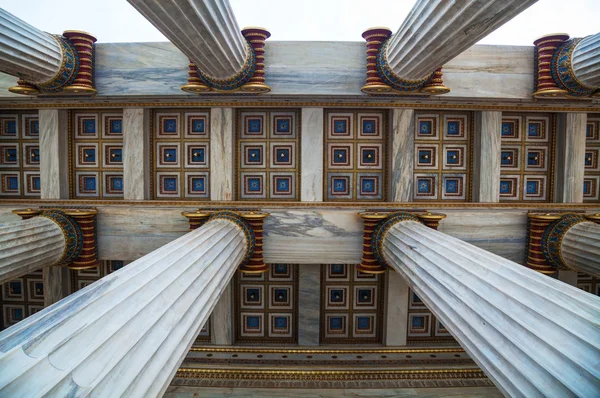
(299, 20)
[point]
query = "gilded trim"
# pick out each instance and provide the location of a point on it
(321, 375)
(553, 237)
(72, 233)
(299, 104)
(252, 350)
(237, 205)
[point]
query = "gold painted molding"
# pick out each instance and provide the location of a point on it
(232, 205)
(327, 351)
(321, 375)
(389, 104)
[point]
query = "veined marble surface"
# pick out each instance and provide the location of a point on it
(487, 152)
(570, 156)
(303, 68)
(298, 235)
(54, 168)
(221, 154)
(312, 158)
(309, 304)
(136, 174)
(403, 128)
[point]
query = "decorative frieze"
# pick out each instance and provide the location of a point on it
(591, 173)
(96, 154)
(527, 157)
(19, 155)
(355, 148)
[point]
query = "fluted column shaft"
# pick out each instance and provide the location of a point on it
(435, 31)
(26, 51)
(580, 248)
(204, 30)
(534, 336)
(126, 334)
(585, 61)
(28, 245)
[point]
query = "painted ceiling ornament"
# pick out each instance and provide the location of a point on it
(76, 73)
(68, 68)
(250, 80)
(553, 237)
(238, 80)
(561, 68)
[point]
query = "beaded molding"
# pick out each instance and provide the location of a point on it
(236, 81)
(561, 69)
(68, 68)
(382, 229)
(244, 226)
(392, 79)
(553, 236)
(72, 232)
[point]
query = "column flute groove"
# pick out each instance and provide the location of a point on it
(127, 334)
(532, 335)
(28, 245)
(434, 32)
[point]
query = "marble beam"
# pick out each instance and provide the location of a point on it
(28, 245)
(436, 31)
(532, 335)
(222, 318)
(486, 174)
(136, 152)
(205, 31)
(309, 304)
(585, 61)
(580, 248)
(403, 152)
(312, 160)
(570, 151)
(221, 153)
(57, 284)
(27, 52)
(568, 277)
(54, 154)
(126, 334)
(396, 323)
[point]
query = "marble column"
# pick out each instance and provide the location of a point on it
(126, 334)
(436, 31)
(585, 61)
(309, 303)
(486, 156)
(570, 151)
(403, 152)
(136, 150)
(222, 318)
(531, 334)
(221, 153)
(580, 248)
(54, 154)
(396, 322)
(28, 245)
(205, 31)
(312, 159)
(27, 52)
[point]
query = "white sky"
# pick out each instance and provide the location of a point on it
(323, 20)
